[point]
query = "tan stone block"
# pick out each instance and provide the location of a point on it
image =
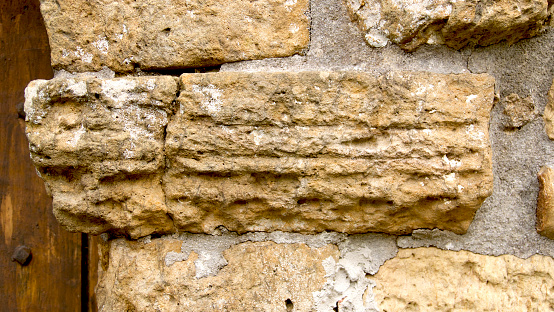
(262, 276)
(545, 202)
(430, 279)
(99, 146)
(454, 23)
(301, 152)
(549, 113)
(316, 151)
(156, 34)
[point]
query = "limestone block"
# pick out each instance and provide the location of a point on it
(545, 202)
(454, 23)
(301, 152)
(99, 146)
(549, 113)
(262, 276)
(430, 279)
(156, 34)
(316, 151)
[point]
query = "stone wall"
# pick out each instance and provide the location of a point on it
(321, 155)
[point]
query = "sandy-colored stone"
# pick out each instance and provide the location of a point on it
(262, 276)
(430, 279)
(545, 202)
(519, 111)
(549, 113)
(316, 151)
(99, 146)
(167, 34)
(301, 152)
(411, 23)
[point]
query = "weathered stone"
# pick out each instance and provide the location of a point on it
(454, 23)
(519, 111)
(99, 146)
(155, 34)
(549, 113)
(262, 276)
(429, 279)
(301, 152)
(545, 202)
(317, 151)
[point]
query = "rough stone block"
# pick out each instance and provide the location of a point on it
(519, 111)
(545, 202)
(302, 152)
(261, 276)
(454, 23)
(99, 146)
(317, 151)
(549, 113)
(430, 279)
(158, 34)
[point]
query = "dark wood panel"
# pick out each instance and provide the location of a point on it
(92, 275)
(52, 279)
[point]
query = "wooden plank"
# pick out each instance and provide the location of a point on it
(51, 281)
(92, 277)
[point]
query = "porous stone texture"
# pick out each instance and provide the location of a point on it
(167, 34)
(411, 23)
(99, 146)
(545, 202)
(549, 113)
(257, 276)
(316, 151)
(519, 111)
(429, 279)
(301, 152)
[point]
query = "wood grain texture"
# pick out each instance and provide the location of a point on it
(51, 281)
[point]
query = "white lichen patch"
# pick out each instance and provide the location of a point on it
(77, 88)
(470, 98)
(151, 84)
(258, 136)
(77, 135)
(290, 3)
(293, 28)
(452, 163)
(84, 56)
(102, 44)
(118, 90)
(212, 102)
(31, 93)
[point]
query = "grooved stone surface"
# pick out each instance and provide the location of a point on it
(167, 34)
(262, 276)
(302, 152)
(410, 23)
(318, 151)
(430, 279)
(545, 202)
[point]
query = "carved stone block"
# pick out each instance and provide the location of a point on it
(316, 151)
(293, 151)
